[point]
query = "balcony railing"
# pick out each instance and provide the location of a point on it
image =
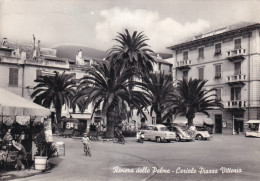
(235, 54)
(58, 64)
(183, 64)
(14, 60)
(236, 104)
(236, 78)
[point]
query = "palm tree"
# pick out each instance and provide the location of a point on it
(132, 51)
(160, 88)
(54, 90)
(191, 98)
(107, 86)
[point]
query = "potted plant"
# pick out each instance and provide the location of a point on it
(40, 158)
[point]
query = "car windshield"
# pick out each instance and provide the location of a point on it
(164, 129)
(183, 128)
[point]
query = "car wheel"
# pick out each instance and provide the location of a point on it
(178, 138)
(199, 137)
(158, 139)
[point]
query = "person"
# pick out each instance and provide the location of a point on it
(8, 138)
(86, 141)
(21, 154)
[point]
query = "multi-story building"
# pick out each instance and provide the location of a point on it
(21, 64)
(229, 58)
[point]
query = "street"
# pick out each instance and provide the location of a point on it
(225, 157)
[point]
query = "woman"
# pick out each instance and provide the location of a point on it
(22, 155)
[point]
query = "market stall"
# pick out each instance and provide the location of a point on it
(17, 118)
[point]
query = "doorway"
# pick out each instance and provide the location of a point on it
(218, 123)
(238, 125)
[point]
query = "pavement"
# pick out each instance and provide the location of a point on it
(225, 157)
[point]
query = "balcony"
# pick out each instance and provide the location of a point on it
(236, 54)
(236, 79)
(236, 104)
(184, 64)
(13, 60)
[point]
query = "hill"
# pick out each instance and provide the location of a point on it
(70, 51)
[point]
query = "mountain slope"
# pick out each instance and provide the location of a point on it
(70, 51)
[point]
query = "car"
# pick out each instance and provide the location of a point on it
(181, 133)
(159, 133)
(202, 135)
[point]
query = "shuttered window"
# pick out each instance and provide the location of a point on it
(237, 68)
(237, 44)
(201, 73)
(13, 76)
(217, 48)
(236, 93)
(201, 52)
(185, 55)
(218, 93)
(217, 71)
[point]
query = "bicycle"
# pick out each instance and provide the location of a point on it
(87, 150)
(119, 139)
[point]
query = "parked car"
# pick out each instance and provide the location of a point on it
(202, 135)
(159, 133)
(181, 133)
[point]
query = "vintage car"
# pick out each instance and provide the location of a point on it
(253, 129)
(181, 133)
(159, 133)
(202, 135)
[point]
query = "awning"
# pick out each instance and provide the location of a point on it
(12, 104)
(252, 121)
(81, 116)
(199, 120)
(70, 120)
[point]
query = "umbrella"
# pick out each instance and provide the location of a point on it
(12, 104)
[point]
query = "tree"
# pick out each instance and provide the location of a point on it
(57, 90)
(191, 97)
(132, 51)
(108, 86)
(160, 88)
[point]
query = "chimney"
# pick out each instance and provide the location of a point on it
(39, 49)
(80, 53)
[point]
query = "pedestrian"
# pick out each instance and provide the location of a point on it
(22, 154)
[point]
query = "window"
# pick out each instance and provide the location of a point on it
(185, 74)
(237, 68)
(201, 73)
(38, 74)
(218, 93)
(217, 48)
(235, 93)
(170, 68)
(237, 43)
(159, 66)
(201, 52)
(217, 71)
(13, 76)
(185, 55)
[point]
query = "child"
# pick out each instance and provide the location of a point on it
(86, 141)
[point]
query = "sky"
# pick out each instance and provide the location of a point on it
(95, 23)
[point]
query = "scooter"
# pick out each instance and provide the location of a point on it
(140, 137)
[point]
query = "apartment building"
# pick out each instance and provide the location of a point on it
(23, 63)
(229, 58)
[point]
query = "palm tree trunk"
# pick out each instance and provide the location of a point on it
(110, 122)
(190, 122)
(58, 115)
(159, 117)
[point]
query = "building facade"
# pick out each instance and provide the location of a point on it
(229, 58)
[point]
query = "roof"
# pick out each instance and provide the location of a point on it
(159, 60)
(241, 26)
(54, 58)
(6, 49)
